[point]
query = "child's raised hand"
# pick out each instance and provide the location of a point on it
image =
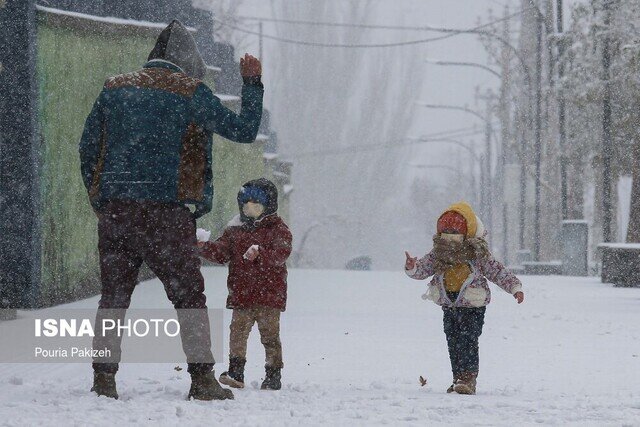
(411, 261)
(519, 296)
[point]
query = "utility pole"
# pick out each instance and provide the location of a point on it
(523, 184)
(505, 242)
(538, 136)
(490, 193)
(474, 184)
(483, 187)
(505, 140)
(260, 41)
(561, 112)
(488, 182)
(606, 126)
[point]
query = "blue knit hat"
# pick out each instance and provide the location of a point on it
(253, 193)
(259, 190)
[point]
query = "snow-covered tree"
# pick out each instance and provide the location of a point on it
(585, 88)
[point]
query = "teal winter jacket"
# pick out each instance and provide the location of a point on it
(149, 136)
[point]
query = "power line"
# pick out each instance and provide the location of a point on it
(335, 45)
(450, 33)
(399, 143)
(465, 64)
(453, 132)
(380, 27)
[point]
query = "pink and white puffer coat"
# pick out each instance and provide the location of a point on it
(475, 290)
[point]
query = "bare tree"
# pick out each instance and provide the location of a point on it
(227, 12)
(331, 106)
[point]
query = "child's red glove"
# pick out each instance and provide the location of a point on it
(519, 296)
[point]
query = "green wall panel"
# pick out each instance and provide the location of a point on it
(72, 67)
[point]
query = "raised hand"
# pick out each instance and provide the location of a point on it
(250, 66)
(411, 262)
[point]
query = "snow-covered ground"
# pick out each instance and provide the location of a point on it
(355, 344)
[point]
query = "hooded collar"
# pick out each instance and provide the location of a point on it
(163, 63)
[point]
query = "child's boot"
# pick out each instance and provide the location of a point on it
(466, 383)
(104, 384)
(234, 377)
(455, 378)
(272, 379)
(204, 386)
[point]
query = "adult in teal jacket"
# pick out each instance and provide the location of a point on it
(149, 134)
(146, 154)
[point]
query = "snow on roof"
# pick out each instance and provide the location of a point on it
(106, 19)
(214, 69)
(270, 156)
(619, 245)
(542, 263)
(227, 98)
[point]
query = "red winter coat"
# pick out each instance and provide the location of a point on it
(263, 281)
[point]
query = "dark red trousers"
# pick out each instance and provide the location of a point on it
(163, 236)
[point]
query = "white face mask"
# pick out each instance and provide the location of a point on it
(252, 210)
(453, 237)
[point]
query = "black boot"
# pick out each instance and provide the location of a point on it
(204, 386)
(234, 377)
(104, 384)
(272, 379)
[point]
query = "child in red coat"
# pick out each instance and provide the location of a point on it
(256, 245)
